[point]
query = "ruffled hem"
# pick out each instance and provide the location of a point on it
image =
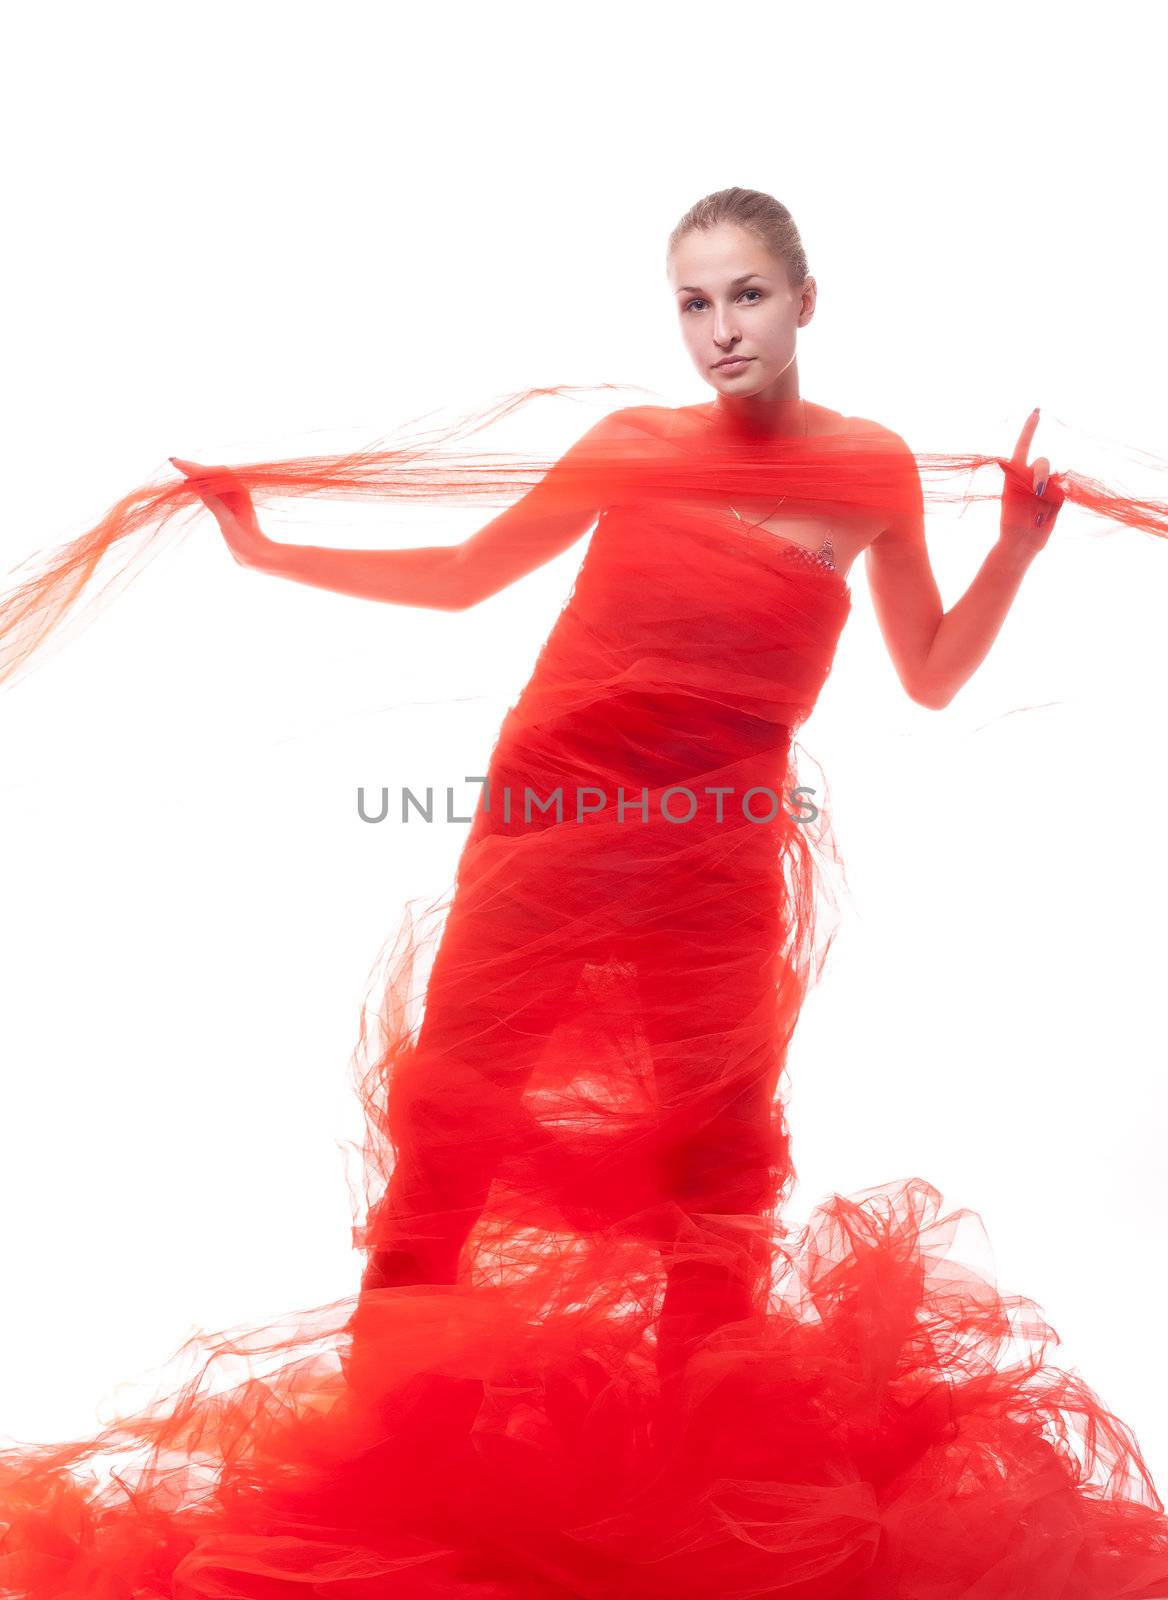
(889, 1426)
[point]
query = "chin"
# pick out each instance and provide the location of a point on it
(736, 387)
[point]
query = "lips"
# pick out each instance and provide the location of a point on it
(732, 361)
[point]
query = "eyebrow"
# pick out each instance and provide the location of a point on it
(693, 288)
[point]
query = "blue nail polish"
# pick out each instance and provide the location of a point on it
(1041, 486)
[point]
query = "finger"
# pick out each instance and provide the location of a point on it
(219, 481)
(208, 495)
(1052, 502)
(1022, 448)
(1018, 479)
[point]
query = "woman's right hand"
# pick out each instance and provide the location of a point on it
(228, 500)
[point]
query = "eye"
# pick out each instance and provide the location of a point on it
(697, 300)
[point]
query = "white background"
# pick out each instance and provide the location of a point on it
(240, 232)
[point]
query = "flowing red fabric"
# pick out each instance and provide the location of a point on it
(587, 1356)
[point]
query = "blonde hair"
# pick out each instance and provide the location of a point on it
(764, 216)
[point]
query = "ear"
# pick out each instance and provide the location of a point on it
(810, 293)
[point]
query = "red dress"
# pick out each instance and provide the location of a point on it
(588, 1358)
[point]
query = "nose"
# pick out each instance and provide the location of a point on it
(725, 332)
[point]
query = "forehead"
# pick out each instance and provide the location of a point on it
(714, 258)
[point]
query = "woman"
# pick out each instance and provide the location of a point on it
(587, 1359)
(739, 276)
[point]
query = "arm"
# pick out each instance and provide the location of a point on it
(425, 576)
(549, 518)
(936, 651)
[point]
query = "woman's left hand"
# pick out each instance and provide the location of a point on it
(1031, 496)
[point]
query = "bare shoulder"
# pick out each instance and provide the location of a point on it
(862, 431)
(901, 511)
(894, 507)
(599, 447)
(629, 421)
(867, 430)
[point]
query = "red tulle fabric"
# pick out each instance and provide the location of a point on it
(587, 1357)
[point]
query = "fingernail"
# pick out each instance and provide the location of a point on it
(1038, 519)
(1040, 486)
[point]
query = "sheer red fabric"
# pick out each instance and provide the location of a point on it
(588, 1358)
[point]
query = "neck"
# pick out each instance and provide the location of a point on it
(761, 415)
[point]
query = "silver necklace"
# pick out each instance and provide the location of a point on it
(774, 508)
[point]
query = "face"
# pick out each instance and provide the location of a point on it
(733, 299)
